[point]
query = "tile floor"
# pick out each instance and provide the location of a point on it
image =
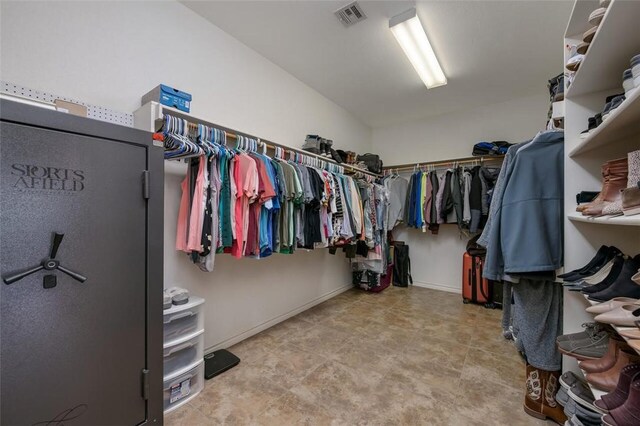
(407, 356)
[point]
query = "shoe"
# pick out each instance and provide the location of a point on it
(636, 277)
(558, 94)
(602, 256)
(604, 171)
(623, 286)
(631, 201)
(635, 68)
(590, 348)
(608, 380)
(596, 16)
(598, 276)
(627, 82)
(569, 379)
(622, 316)
(628, 414)
(633, 177)
(590, 328)
(574, 421)
(630, 197)
(618, 263)
(562, 397)
(612, 304)
(588, 35)
(574, 62)
(582, 415)
(617, 179)
(540, 390)
(615, 399)
(179, 296)
(166, 301)
(553, 85)
(605, 362)
(592, 126)
(605, 3)
(633, 333)
(615, 103)
(581, 394)
(582, 48)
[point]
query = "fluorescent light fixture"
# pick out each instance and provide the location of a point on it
(411, 36)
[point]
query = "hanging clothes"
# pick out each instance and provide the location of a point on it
(396, 186)
(524, 243)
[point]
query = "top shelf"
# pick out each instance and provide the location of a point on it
(579, 19)
(155, 111)
(616, 41)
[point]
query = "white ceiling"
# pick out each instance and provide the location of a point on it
(491, 51)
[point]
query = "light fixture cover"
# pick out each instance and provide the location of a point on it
(411, 36)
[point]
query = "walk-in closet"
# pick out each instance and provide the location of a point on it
(320, 212)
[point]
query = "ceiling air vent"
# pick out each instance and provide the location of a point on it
(350, 14)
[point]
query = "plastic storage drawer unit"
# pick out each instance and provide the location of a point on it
(182, 320)
(182, 354)
(183, 388)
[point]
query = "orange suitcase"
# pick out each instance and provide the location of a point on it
(475, 289)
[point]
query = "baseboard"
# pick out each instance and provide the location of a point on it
(270, 323)
(438, 287)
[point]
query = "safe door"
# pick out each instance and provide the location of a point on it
(73, 227)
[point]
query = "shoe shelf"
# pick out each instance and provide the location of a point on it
(615, 42)
(622, 122)
(606, 220)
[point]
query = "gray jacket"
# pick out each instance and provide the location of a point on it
(527, 229)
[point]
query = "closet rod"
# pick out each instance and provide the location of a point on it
(450, 162)
(232, 133)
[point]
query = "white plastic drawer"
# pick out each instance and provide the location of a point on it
(183, 353)
(183, 320)
(179, 390)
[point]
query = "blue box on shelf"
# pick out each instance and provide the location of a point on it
(170, 97)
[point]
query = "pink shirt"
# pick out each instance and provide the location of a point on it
(194, 243)
(246, 177)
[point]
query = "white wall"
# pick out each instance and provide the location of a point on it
(436, 260)
(110, 54)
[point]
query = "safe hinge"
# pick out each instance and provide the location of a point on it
(145, 383)
(145, 184)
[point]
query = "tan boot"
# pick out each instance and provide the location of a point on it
(617, 180)
(630, 192)
(540, 395)
(599, 199)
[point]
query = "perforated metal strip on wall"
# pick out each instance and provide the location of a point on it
(93, 111)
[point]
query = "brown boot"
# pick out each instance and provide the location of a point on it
(540, 395)
(609, 359)
(604, 363)
(617, 181)
(608, 380)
